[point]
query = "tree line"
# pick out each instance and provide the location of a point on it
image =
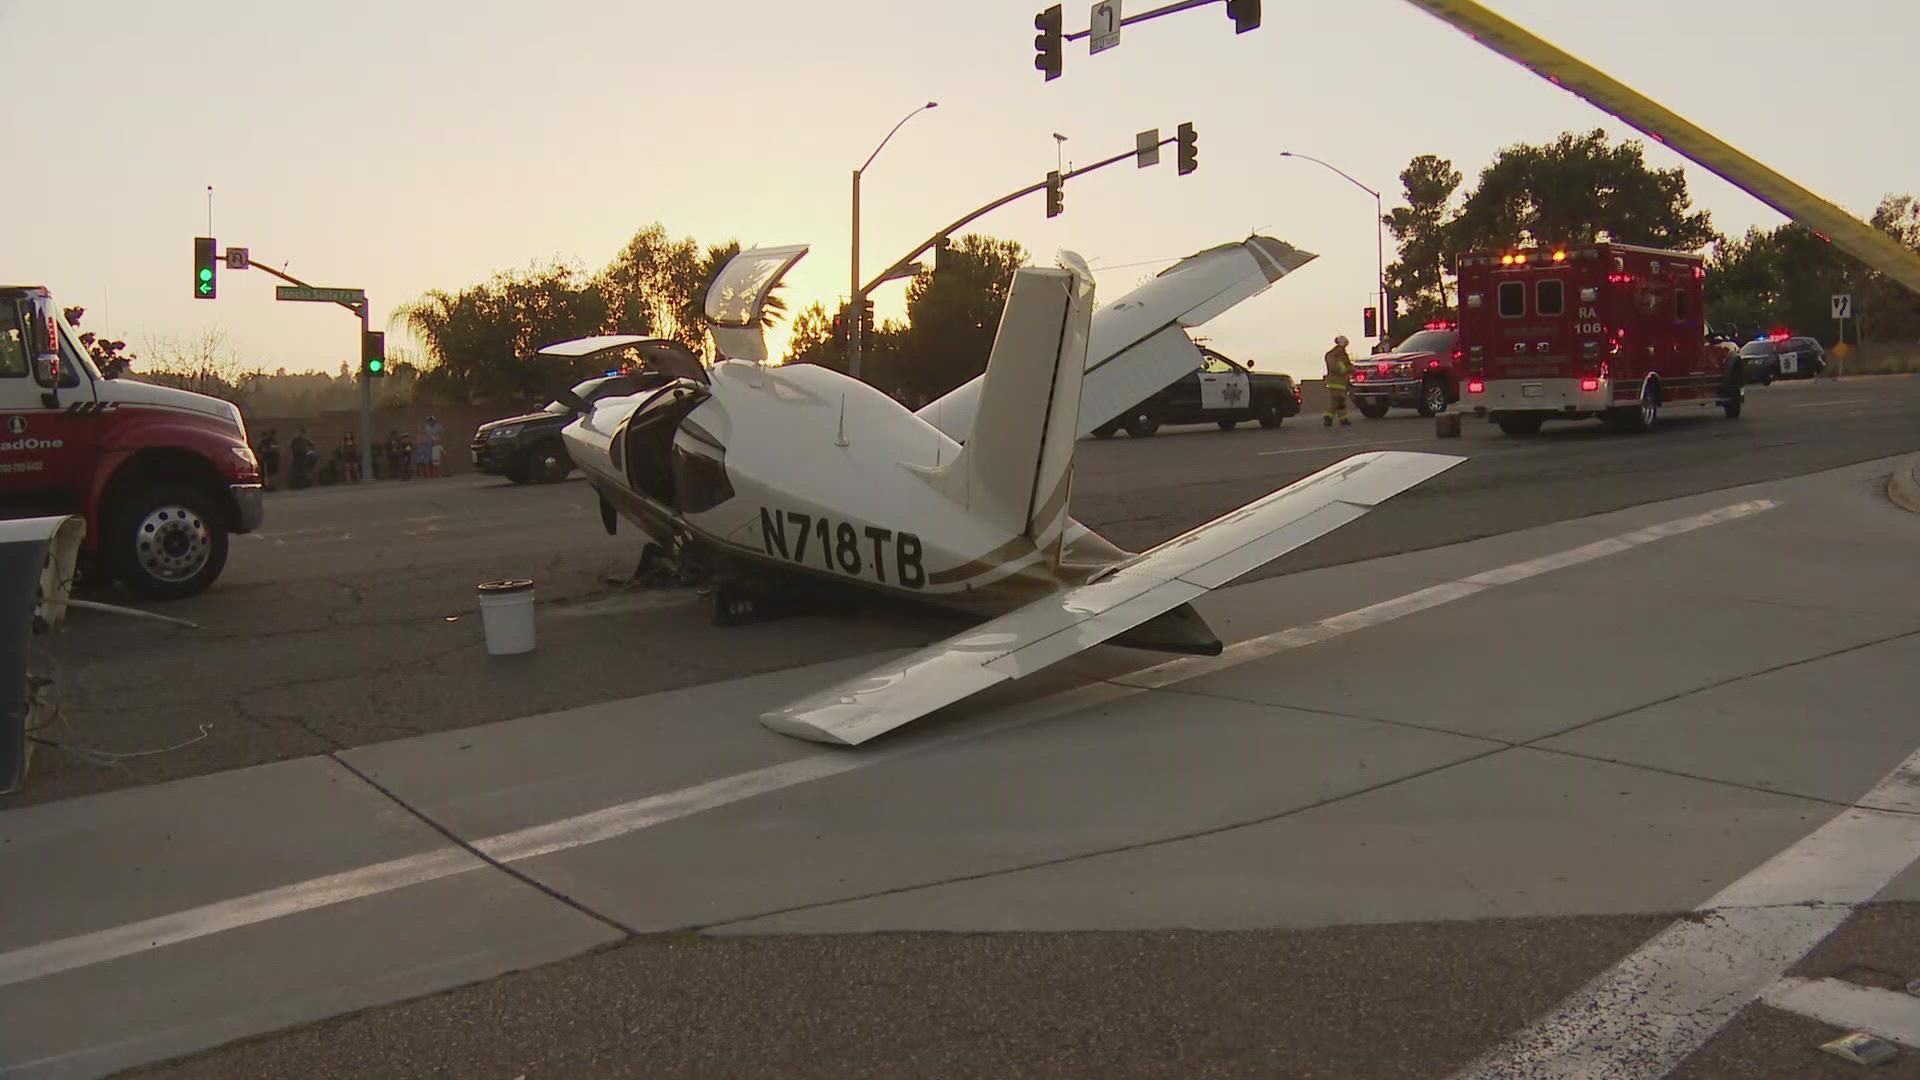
(1581, 188)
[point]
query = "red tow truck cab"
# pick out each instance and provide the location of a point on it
(161, 476)
(1612, 331)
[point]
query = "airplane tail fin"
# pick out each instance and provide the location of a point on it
(1017, 467)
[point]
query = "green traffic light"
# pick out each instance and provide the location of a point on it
(206, 273)
(376, 366)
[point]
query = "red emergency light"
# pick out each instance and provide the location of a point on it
(1476, 386)
(1589, 384)
(1441, 324)
(1779, 335)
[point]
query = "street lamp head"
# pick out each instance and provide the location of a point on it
(931, 105)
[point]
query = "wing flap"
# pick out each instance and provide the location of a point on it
(1073, 620)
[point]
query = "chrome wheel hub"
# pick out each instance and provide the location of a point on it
(173, 543)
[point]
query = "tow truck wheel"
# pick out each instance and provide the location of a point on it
(1227, 425)
(1372, 410)
(1433, 398)
(167, 543)
(547, 462)
(1141, 424)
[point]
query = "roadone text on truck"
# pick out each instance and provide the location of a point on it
(161, 476)
(1613, 331)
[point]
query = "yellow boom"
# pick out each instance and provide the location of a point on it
(1850, 234)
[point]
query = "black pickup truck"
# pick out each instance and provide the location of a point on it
(1221, 392)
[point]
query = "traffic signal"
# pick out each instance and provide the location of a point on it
(205, 285)
(373, 354)
(1056, 194)
(1189, 149)
(940, 253)
(1046, 43)
(840, 324)
(1371, 317)
(1245, 15)
(866, 316)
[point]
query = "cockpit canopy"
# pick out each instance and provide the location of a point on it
(663, 355)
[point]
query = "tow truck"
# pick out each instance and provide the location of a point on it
(1606, 330)
(161, 476)
(1420, 373)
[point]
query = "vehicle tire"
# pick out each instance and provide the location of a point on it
(1372, 410)
(1433, 398)
(547, 462)
(167, 542)
(1106, 431)
(1635, 419)
(1520, 425)
(1141, 424)
(1731, 407)
(517, 475)
(1766, 380)
(1227, 425)
(1269, 415)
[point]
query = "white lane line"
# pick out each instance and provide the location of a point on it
(1887, 1013)
(1341, 446)
(1188, 667)
(1646, 1014)
(36, 961)
(1831, 404)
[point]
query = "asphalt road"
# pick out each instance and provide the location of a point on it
(351, 618)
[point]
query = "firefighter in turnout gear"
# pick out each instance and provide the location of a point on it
(1339, 372)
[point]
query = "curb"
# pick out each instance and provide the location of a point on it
(1904, 487)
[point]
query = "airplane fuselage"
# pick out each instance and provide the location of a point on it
(800, 468)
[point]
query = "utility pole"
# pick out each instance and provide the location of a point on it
(856, 301)
(1379, 233)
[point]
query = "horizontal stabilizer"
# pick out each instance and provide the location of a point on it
(1134, 592)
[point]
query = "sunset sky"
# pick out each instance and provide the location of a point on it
(407, 146)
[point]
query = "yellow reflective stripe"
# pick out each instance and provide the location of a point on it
(1848, 233)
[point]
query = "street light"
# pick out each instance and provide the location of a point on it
(855, 304)
(1379, 227)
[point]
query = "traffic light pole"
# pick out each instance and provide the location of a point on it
(931, 241)
(366, 384)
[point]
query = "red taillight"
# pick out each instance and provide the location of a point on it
(1296, 393)
(1589, 384)
(1383, 369)
(1434, 364)
(1359, 376)
(1476, 386)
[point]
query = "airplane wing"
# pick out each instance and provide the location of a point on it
(1138, 344)
(1135, 591)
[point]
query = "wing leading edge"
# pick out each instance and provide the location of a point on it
(1134, 592)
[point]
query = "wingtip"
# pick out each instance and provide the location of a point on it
(788, 722)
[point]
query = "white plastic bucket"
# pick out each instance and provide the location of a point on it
(506, 609)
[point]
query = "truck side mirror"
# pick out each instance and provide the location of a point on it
(46, 372)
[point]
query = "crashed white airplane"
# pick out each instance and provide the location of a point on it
(767, 480)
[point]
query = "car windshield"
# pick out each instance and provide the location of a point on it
(1757, 348)
(1428, 341)
(586, 391)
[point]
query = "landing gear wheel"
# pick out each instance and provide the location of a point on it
(1141, 424)
(167, 543)
(1372, 410)
(1227, 425)
(1520, 425)
(547, 462)
(1433, 398)
(1269, 415)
